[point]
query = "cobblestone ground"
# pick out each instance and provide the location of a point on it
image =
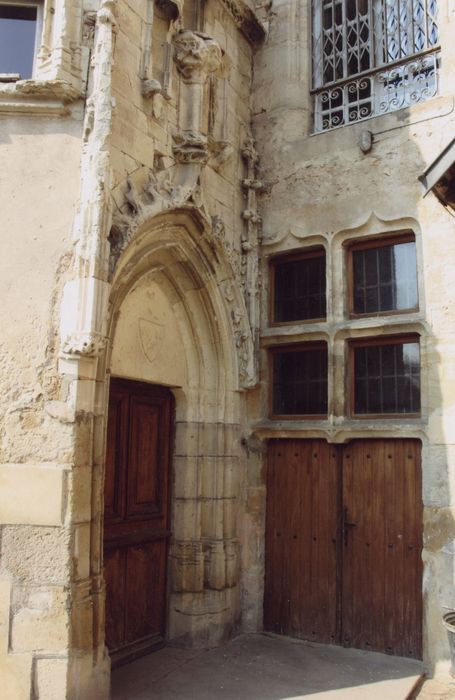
(435, 690)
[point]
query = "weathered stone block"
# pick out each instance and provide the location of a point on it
(36, 553)
(16, 676)
(44, 628)
(51, 679)
(187, 566)
(31, 494)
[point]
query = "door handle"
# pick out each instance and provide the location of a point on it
(346, 525)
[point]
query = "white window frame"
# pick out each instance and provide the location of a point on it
(39, 5)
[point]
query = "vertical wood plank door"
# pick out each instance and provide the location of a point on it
(344, 543)
(136, 517)
(300, 597)
(382, 548)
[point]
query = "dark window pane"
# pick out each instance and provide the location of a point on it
(387, 378)
(299, 292)
(385, 278)
(17, 39)
(300, 382)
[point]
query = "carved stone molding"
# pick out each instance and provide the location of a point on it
(86, 300)
(143, 196)
(251, 236)
(49, 97)
(196, 56)
(246, 20)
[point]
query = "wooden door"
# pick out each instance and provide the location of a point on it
(344, 542)
(301, 540)
(382, 547)
(136, 517)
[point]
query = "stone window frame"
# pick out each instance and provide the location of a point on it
(60, 62)
(39, 5)
(340, 328)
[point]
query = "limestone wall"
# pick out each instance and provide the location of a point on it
(326, 191)
(114, 128)
(38, 155)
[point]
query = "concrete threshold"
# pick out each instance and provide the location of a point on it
(267, 667)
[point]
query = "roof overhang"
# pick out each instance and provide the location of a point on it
(439, 177)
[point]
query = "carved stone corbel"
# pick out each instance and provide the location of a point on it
(150, 88)
(84, 344)
(196, 56)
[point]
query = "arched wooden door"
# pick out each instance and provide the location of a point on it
(136, 517)
(344, 543)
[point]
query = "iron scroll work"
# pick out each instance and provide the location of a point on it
(372, 57)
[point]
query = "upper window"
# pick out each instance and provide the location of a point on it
(19, 24)
(371, 57)
(383, 276)
(298, 287)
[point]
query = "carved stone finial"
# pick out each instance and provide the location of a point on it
(196, 55)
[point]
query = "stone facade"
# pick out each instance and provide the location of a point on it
(161, 154)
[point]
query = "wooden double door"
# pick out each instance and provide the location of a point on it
(136, 517)
(344, 543)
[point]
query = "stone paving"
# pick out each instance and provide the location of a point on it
(268, 667)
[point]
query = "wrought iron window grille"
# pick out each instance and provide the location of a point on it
(371, 57)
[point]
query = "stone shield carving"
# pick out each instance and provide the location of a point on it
(151, 335)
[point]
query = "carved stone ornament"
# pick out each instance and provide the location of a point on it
(84, 344)
(241, 331)
(147, 194)
(196, 55)
(249, 153)
(106, 13)
(88, 28)
(232, 255)
(150, 88)
(190, 147)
